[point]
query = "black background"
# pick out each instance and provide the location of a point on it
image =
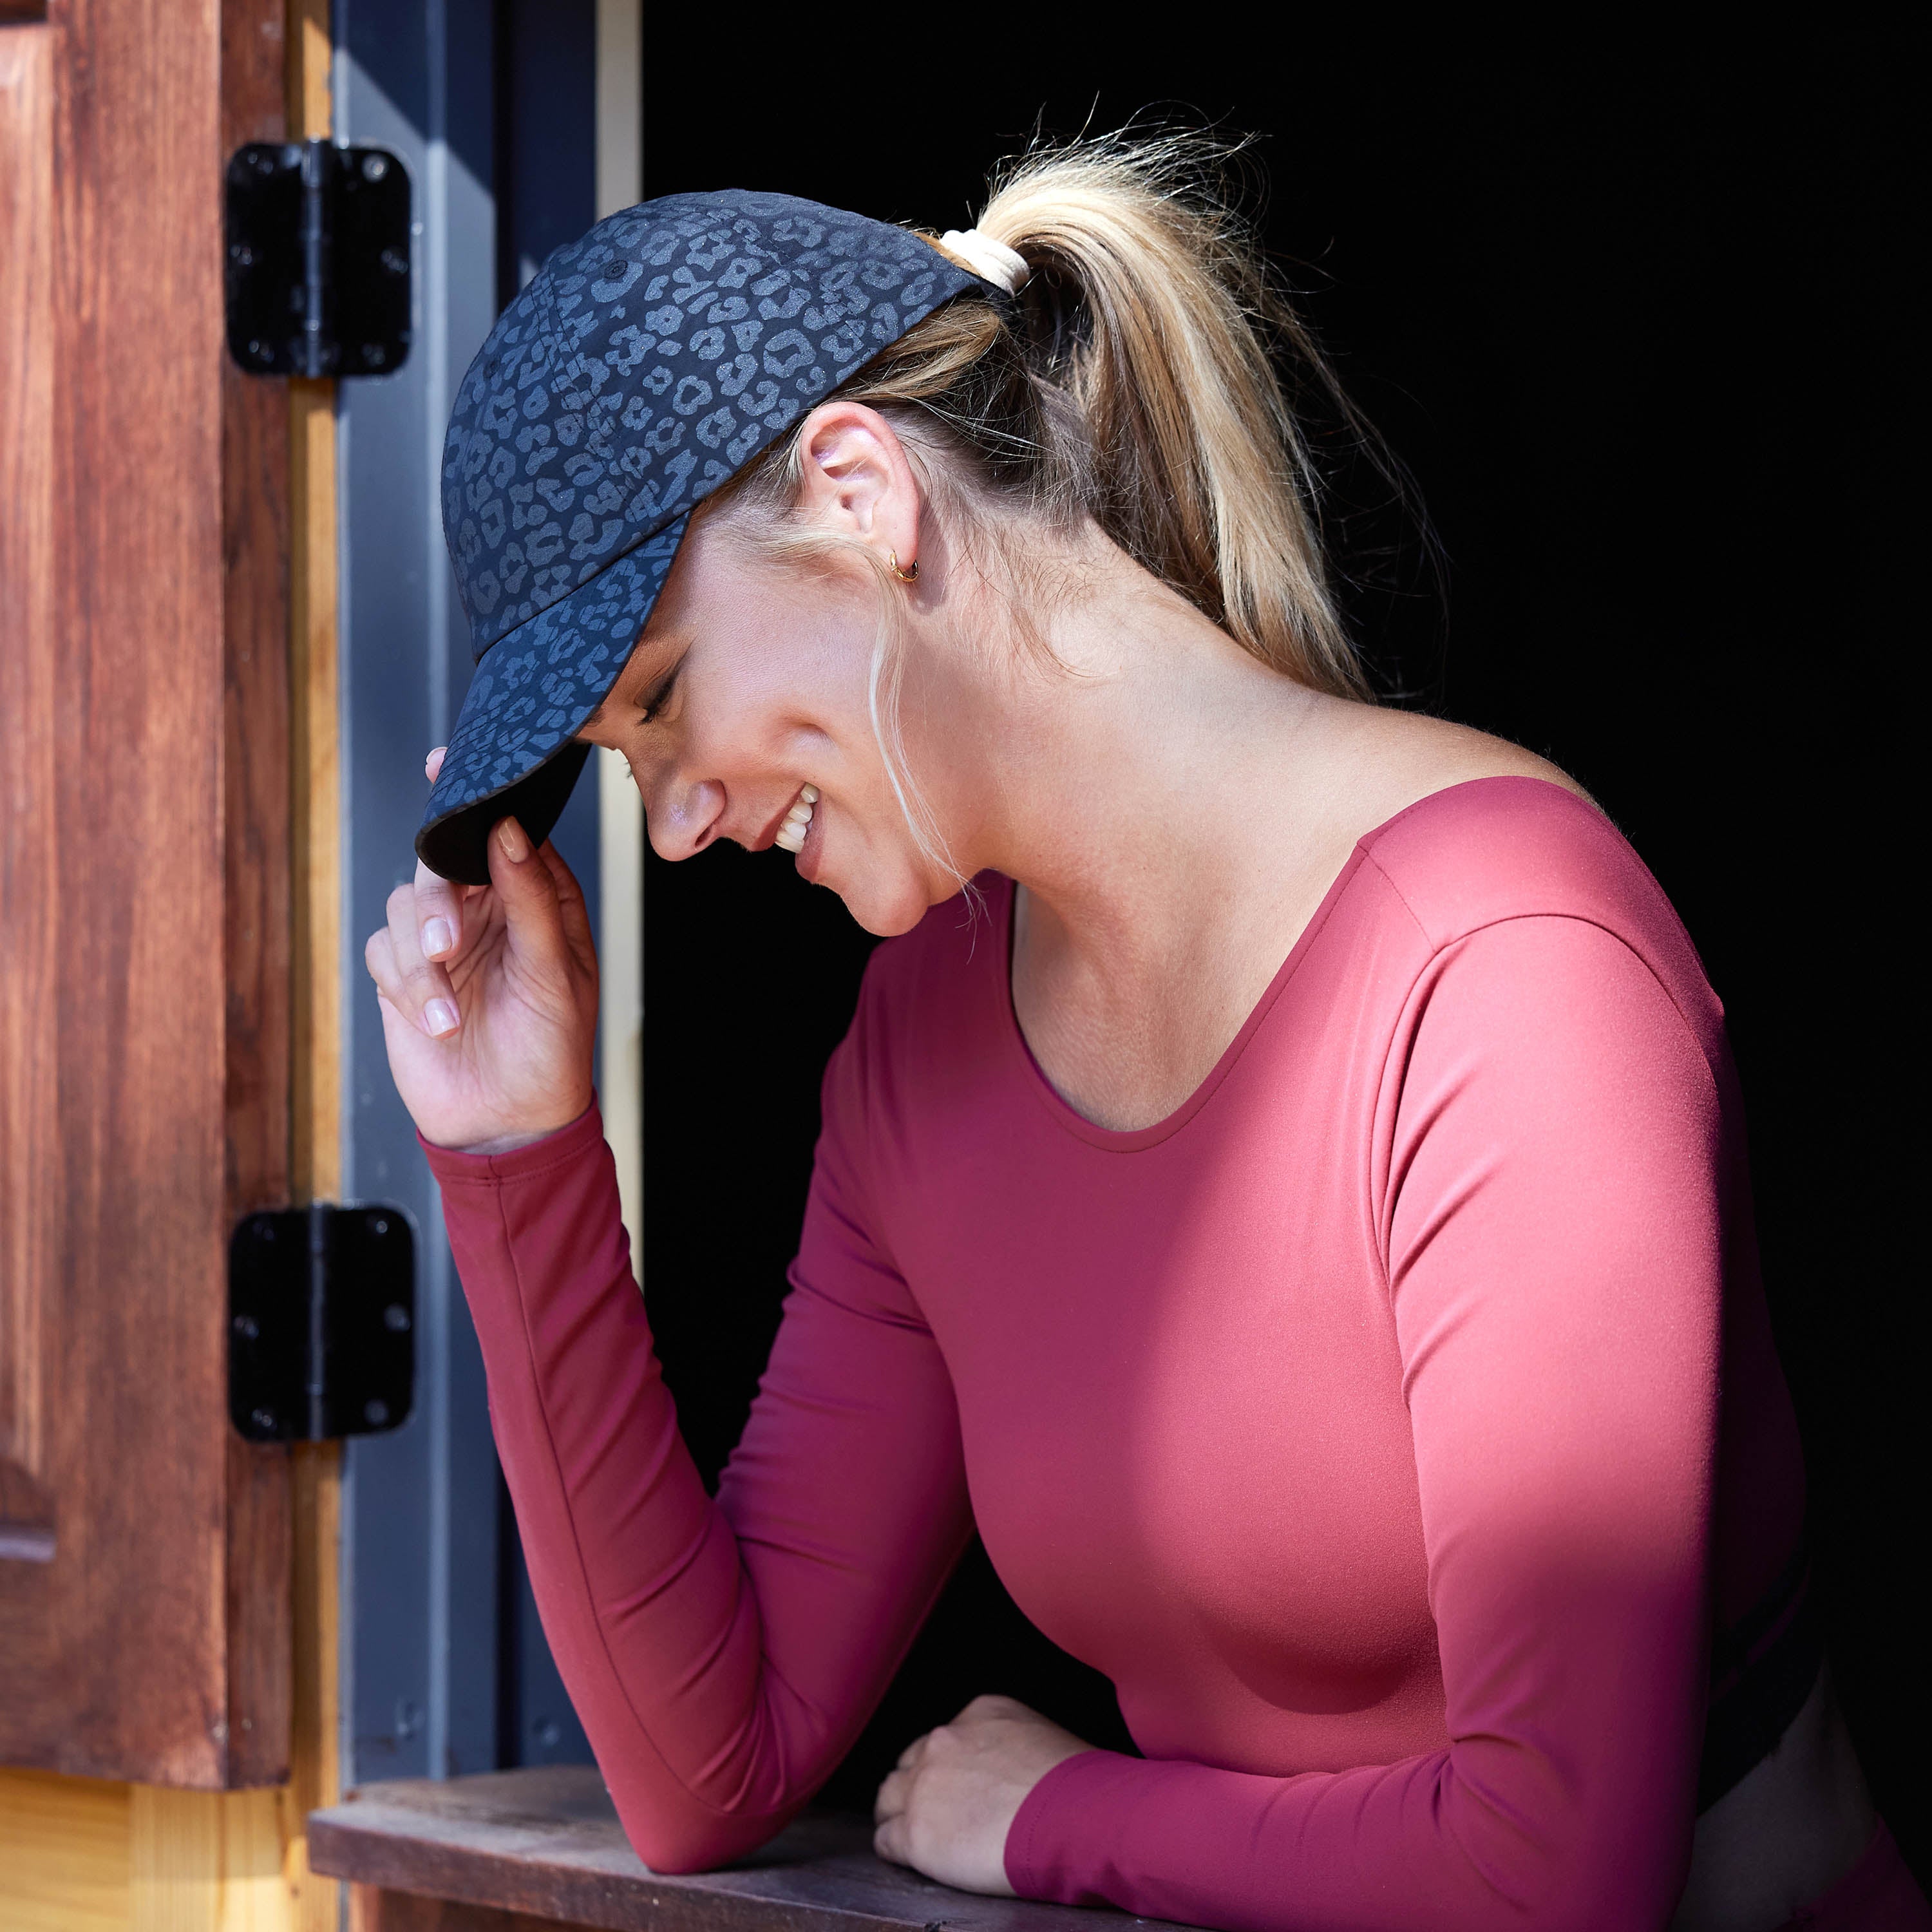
(1636, 317)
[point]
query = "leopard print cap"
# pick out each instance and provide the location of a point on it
(643, 364)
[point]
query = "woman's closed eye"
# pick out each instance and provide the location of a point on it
(650, 707)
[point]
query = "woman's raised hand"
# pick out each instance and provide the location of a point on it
(489, 997)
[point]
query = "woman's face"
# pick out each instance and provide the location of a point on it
(749, 683)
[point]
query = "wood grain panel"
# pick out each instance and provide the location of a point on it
(136, 1608)
(255, 622)
(29, 1164)
(257, 802)
(144, 968)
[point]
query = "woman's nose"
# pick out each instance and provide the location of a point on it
(682, 818)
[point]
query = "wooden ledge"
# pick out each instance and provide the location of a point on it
(525, 1851)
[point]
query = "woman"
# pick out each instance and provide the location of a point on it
(1284, 1183)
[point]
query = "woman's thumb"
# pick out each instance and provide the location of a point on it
(529, 895)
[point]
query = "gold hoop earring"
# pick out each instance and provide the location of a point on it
(910, 575)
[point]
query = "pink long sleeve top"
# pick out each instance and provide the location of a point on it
(1360, 1420)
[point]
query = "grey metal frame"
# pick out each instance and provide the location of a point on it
(425, 1559)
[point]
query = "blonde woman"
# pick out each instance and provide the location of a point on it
(1284, 1183)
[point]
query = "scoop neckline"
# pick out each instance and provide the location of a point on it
(1132, 1140)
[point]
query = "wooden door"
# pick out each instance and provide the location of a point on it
(145, 929)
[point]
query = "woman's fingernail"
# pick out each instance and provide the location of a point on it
(515, 844)
(441, 1017)
(437, 938)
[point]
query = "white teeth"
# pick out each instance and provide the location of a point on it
(791, 834)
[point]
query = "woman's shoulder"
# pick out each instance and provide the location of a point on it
(1490, 832)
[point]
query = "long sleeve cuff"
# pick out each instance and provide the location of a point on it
(453, 1166)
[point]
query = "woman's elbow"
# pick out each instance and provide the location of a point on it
(1557, 1869)
(690, 1838)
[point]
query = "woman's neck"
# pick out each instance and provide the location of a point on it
(1173, 813)
(1165, 804)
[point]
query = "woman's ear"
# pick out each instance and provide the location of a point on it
(857, 480)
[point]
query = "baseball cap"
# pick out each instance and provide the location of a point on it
(645, 363)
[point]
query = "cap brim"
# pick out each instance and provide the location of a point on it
(514, 752)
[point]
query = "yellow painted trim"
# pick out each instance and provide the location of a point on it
(174, 1859)
(64, 1853)
(314, 685)
(307, 1903)
(315, 1764)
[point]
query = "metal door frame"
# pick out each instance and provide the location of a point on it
(444, 1670)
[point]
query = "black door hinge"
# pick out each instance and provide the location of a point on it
(321, 1323)
(318, 265)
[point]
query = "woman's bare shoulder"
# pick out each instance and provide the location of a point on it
(1396, 758)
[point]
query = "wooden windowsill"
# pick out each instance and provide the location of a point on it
(518, 1851)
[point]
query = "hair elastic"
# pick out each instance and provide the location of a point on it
(992, 261)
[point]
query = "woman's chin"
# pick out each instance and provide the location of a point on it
(884, 911)
(884, 919)
(888, 896)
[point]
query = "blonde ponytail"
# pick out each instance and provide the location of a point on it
(1132, 380)
(1144, 301)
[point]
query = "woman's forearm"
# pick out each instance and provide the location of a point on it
(721, 1655)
